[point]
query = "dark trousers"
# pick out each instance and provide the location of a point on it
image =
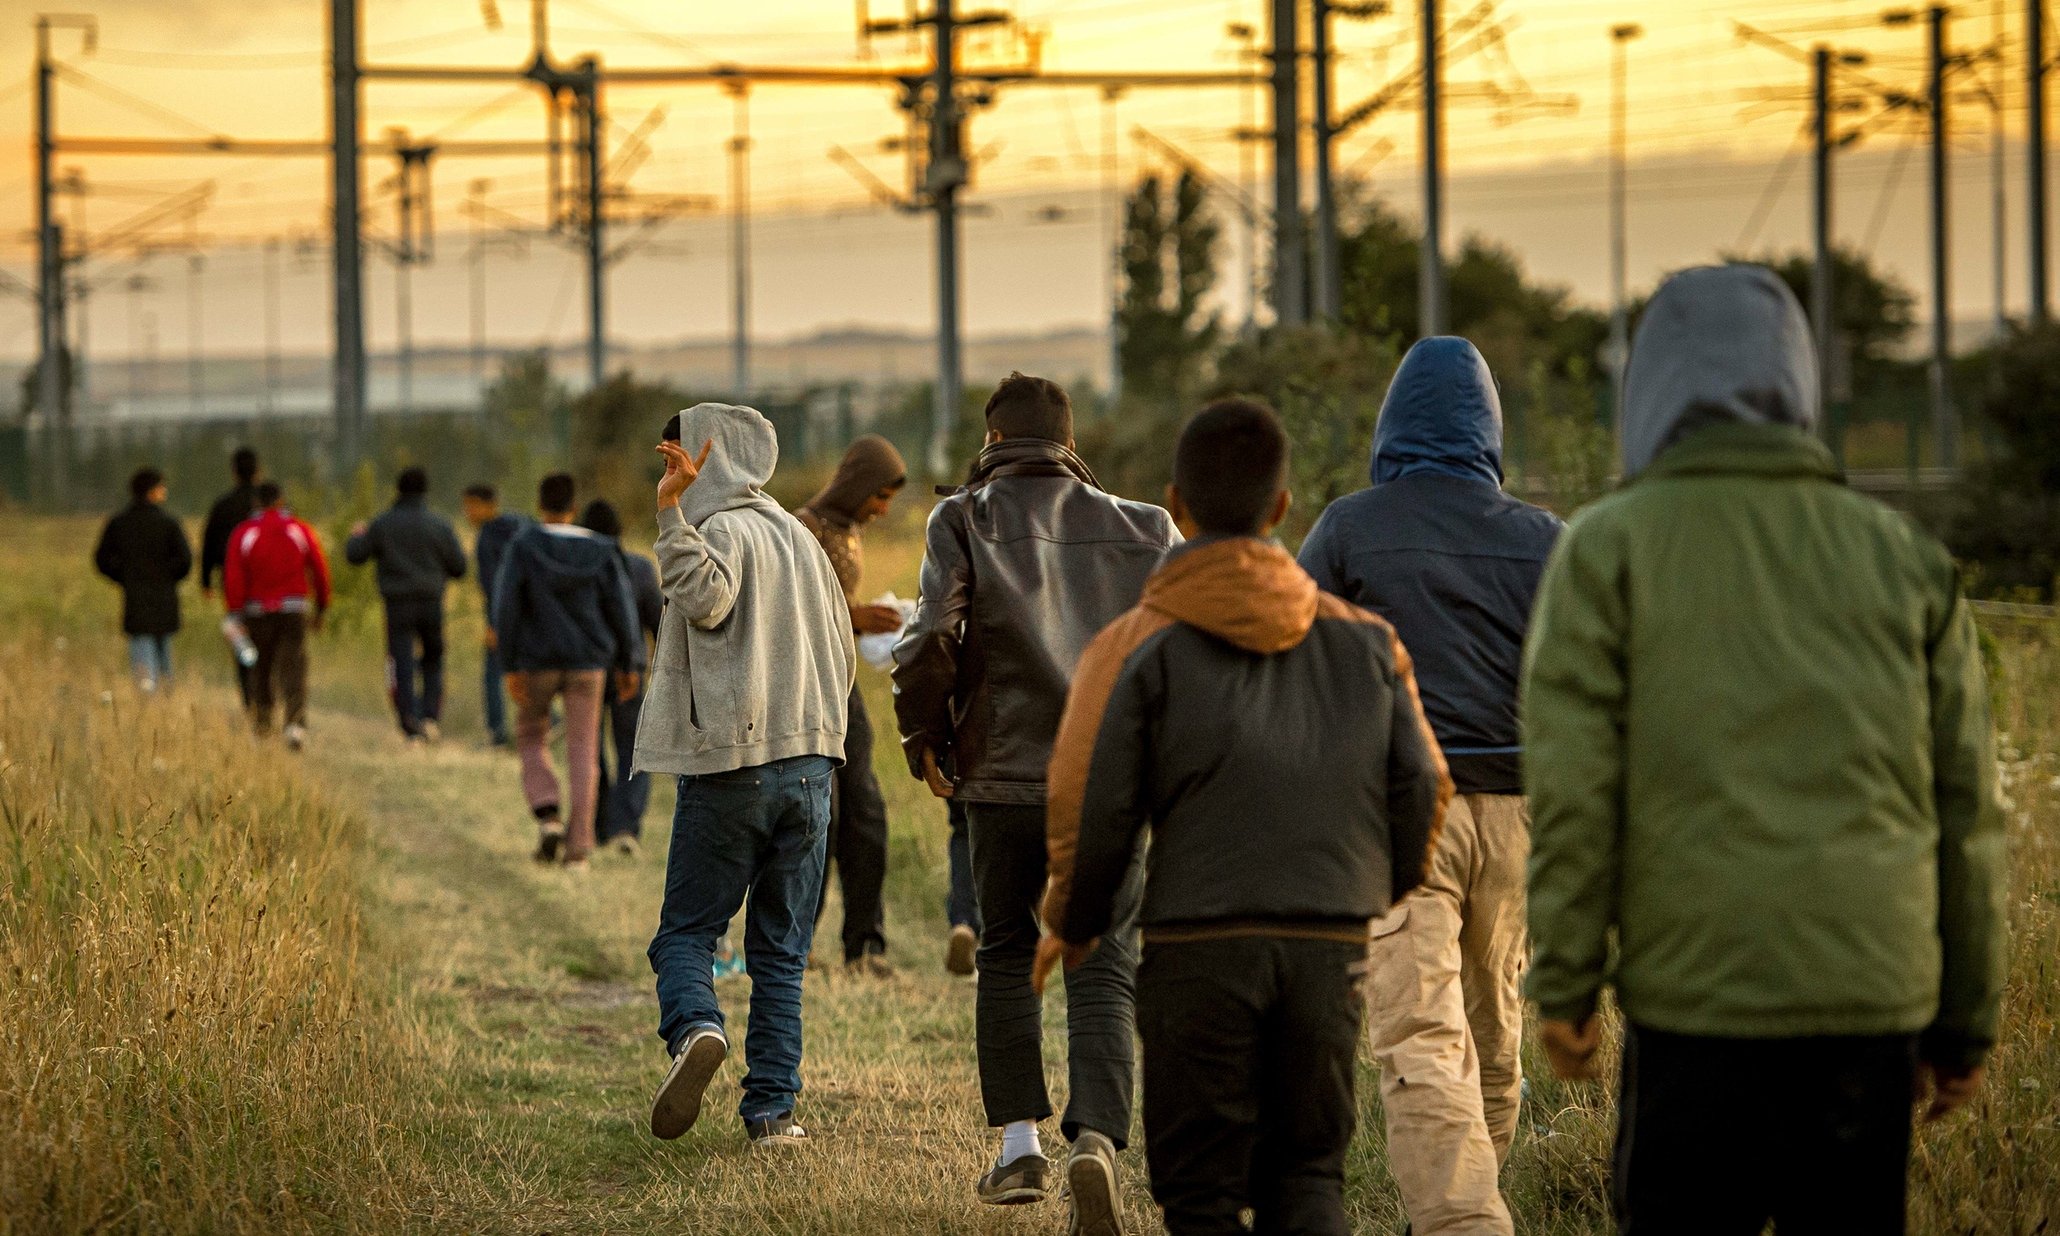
(961, 904)
(748, 840)
(1009, 868)
(493, 688)
(245, 677)
(1717, 1136)
(281, 672)
(414, 623)
(858, 839)
(623, 797)
(1248, 1103)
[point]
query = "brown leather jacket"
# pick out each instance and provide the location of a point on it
(1021, 568)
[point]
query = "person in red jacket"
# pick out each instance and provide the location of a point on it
(277, 580)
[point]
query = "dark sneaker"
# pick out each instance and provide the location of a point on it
(775, 1132)
(550, 837)
(1091, 1187)
(869, 965)
(678, 1104)
(1027, 1179)
(959, 952)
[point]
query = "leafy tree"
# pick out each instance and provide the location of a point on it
(2006, 516)
(1169, 267)
(613, 429)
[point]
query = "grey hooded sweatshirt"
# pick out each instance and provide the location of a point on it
(754, 658)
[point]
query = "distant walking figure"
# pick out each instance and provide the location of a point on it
(565, 620)
(1437, 549)
(229, 511)
(865, 483)
(493, 528)
(417, 554)
(144, 550)
(277, 578)
(746, 708)
(1764, 785)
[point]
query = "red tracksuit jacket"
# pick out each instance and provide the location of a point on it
(274, 562)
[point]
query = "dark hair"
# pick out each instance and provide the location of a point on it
(482, 491)
(1229, 465)
(244, 464)
(412, 482)
(671, 432)
(269, 492)
(601, 518)
(143, 481)
(1026, 407)
(555, 493)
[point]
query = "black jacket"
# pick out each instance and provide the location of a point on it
(1437, 549)
(644, 590)
(145, 551)
(416, 550)
(562, 602)
(1270, 737)
(1021, 568)
(229, 510)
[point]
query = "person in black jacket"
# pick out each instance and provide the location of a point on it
(492, 528)
(619, 817)
(418, 554)
(1269, 736)
(1021, 567)
(228, 511)
(144, 550)
(1437, 549)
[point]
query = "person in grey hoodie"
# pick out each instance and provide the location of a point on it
(1453, 563)
(746, 706)
(418, 554)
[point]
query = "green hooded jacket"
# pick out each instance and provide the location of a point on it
(1760, 761)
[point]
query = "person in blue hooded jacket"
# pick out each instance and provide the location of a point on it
(1453, 563)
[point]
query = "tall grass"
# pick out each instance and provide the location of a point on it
(185, 1045)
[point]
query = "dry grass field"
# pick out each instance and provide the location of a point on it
(246, 992)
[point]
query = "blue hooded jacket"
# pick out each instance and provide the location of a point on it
(1437, 549)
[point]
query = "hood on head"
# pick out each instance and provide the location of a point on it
(1242, 590)
(1716, 345)
(869, 465)
(1442, 415)
(746, 451)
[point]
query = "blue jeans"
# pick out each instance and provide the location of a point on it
(961, 906)
(412, 624)
(150, 658)
(491, 684)
(762, 832)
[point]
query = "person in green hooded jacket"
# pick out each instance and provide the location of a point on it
(1764, 795)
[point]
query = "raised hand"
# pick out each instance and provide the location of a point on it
(681, 470)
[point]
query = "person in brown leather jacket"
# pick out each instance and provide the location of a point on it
(1022, 567)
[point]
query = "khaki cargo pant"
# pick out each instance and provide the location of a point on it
(1446, 1018)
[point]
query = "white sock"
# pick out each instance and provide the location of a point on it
(1019, 1138)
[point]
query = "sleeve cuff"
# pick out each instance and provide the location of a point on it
(1573, 1012)
(1952, 1052)
(670, 517)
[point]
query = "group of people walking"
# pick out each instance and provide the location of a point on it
(1721, 744)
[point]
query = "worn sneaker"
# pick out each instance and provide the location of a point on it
(678, 1103)
(960, 950)
(625, 845)
(296, 737)
(550, 837)
(1016, 1182)
(775, 1132)
(431, 730)
(1091, 1187)
(576, 866)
